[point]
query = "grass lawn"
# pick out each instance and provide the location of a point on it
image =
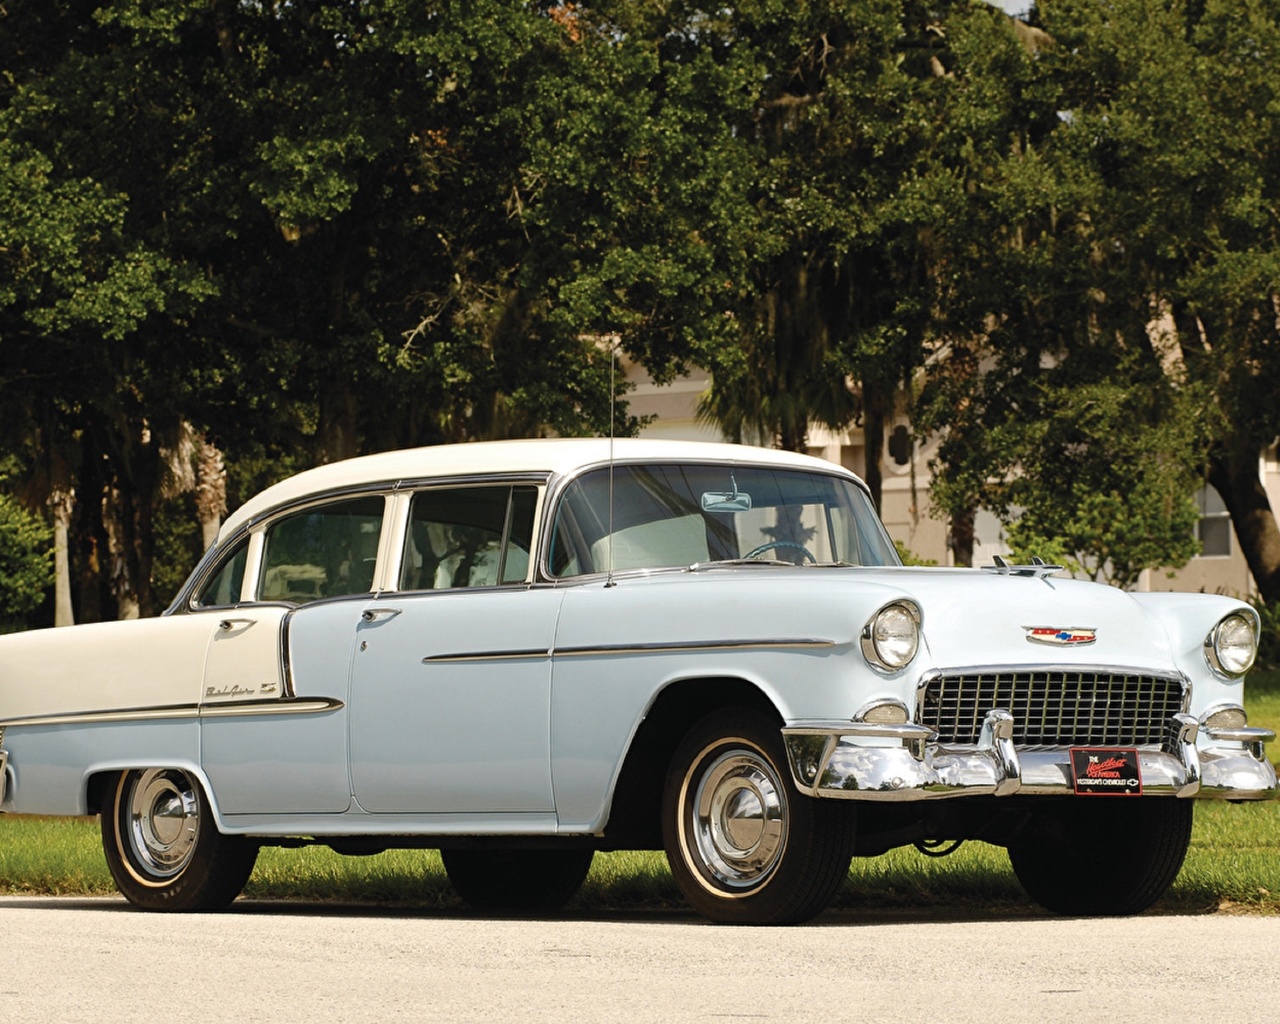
(1233, 864)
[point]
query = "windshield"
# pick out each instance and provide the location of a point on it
(679, 515)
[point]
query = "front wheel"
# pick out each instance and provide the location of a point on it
(162, 847)
(744, 845)
(1103, 856)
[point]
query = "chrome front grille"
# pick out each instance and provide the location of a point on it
(1053, 707)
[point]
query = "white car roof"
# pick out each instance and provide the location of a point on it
(554, 456)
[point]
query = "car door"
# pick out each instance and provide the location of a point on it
(451, 675)
(273, 720)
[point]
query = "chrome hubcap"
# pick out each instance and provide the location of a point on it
(738, 817)
(163, 821)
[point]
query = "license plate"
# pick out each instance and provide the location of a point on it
(1099, 771)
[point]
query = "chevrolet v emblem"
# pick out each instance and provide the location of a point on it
(1061, 636)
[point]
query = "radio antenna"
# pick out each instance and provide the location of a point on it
(613, 391)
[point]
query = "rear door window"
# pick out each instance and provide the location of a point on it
(323, 551)
(468, 537)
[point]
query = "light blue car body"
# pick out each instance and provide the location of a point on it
(511, 708)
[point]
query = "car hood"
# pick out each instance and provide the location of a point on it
(973, 618)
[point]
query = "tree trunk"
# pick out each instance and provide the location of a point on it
(211, 492)
(121, 566)
(877, 406)
(793, 437)
(338, 436)
(961, 538)
(62, 502)
(1233, 470)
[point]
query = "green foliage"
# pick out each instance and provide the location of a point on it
(1269, 640)
(909, 557)
(178, 546)
(1105, 476)
(26, 556)
(1096, 214)
(312, 230)
(26, 559)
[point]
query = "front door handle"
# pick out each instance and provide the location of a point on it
(227, 625)
(373, 614)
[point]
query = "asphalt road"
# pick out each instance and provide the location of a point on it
(69, 960)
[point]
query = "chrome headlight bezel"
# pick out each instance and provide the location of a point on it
(891, 638)
(1232, 645)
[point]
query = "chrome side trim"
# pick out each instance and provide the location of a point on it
(270, 706)
(287, 690)
(170, 711)
(453, 659)
(610, 650)
(288, 706)
(780, 643)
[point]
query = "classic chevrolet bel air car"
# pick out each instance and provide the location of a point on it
(524, 652)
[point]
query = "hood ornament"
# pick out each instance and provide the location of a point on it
(1062, 636)
(1038, 568)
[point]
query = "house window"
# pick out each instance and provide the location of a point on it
(1213, 531)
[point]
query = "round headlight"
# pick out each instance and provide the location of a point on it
(1232, 645)
(892, 638)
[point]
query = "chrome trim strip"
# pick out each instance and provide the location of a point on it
(620, 649)
(1048, 666)
(288, 706)
(1245, 734)
(287, 690)
(270, 706)
(782, 643)
(436, 659)
(177, 711)
(908, 732)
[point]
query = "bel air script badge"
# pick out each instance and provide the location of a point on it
(1061, 636)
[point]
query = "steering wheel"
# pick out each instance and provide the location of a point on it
(777, 545)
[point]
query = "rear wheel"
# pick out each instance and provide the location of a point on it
(516, 880)
(744, 845)
(1103, 856)
(162, 847)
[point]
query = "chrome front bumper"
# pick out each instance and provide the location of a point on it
(906, 764)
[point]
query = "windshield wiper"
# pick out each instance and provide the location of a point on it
(723, 562)
(720, 563)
